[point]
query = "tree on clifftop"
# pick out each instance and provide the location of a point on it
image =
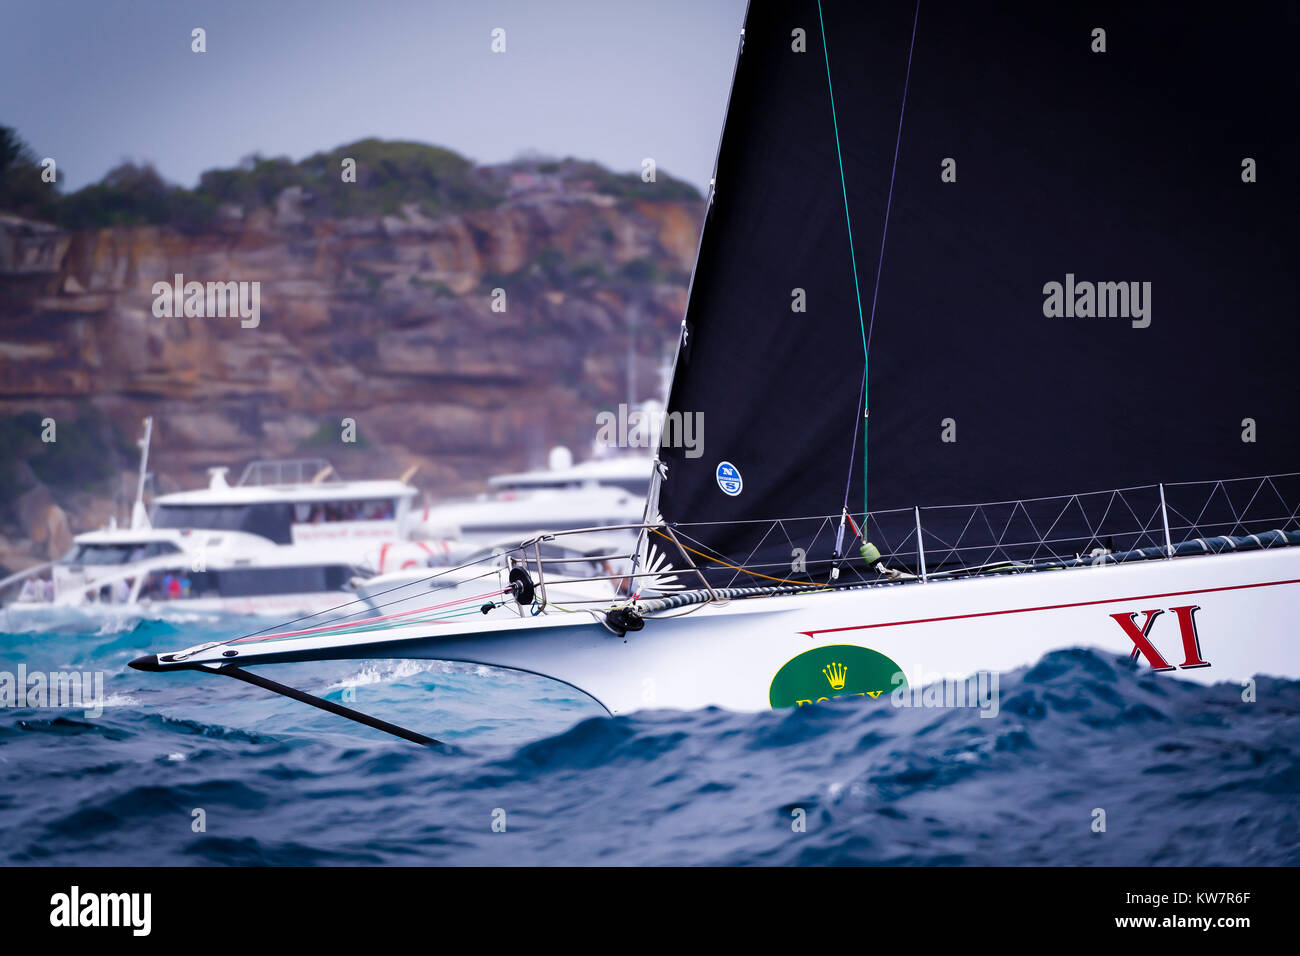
(22, 193)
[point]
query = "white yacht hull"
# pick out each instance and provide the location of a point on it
(1210, 618)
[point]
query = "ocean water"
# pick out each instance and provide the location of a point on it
(1185, 774)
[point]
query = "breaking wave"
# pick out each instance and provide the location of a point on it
(1181, 773)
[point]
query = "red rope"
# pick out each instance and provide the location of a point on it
(371, 620)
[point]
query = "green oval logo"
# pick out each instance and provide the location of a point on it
(835, 670)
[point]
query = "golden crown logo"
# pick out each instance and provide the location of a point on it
(835, 674)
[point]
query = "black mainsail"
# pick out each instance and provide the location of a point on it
(1033, 150)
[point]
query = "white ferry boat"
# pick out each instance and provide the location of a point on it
(286, 538)
(600, 492)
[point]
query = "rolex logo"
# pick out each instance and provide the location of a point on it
(849, 669)
(835, 673)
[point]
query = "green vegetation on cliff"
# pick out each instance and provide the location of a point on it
(88, 451)
(21, 190)
(390, 175)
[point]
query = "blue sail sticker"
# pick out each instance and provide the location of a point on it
(729, 479)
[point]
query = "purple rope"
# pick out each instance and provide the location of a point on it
(875, 293)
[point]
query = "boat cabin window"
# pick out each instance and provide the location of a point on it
(123, 552)
(560, 561)
(317, 512)
(635, 486)
(269, 519)
(181, 583)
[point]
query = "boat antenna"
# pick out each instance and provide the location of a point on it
(139, 517)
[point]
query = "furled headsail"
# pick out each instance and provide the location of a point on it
(1088, 279)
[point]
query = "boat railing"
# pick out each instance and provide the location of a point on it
(1099, 524)
(916, 545)
(951, 540)
(289, 471)
(31, 585)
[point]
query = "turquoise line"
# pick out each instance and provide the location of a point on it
(839, 155)
(386, 626)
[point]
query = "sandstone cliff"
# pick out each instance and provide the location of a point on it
(384, 317)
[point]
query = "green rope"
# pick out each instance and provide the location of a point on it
(853, 258)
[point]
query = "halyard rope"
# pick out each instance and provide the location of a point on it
(733, 567)
(868, 327)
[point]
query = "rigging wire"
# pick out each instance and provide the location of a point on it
(725, 564)
(362, 603)
(867, 327)
(349, 625)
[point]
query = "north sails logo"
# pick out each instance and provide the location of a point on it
(729, 479)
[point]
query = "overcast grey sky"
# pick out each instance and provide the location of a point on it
(93, 82)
